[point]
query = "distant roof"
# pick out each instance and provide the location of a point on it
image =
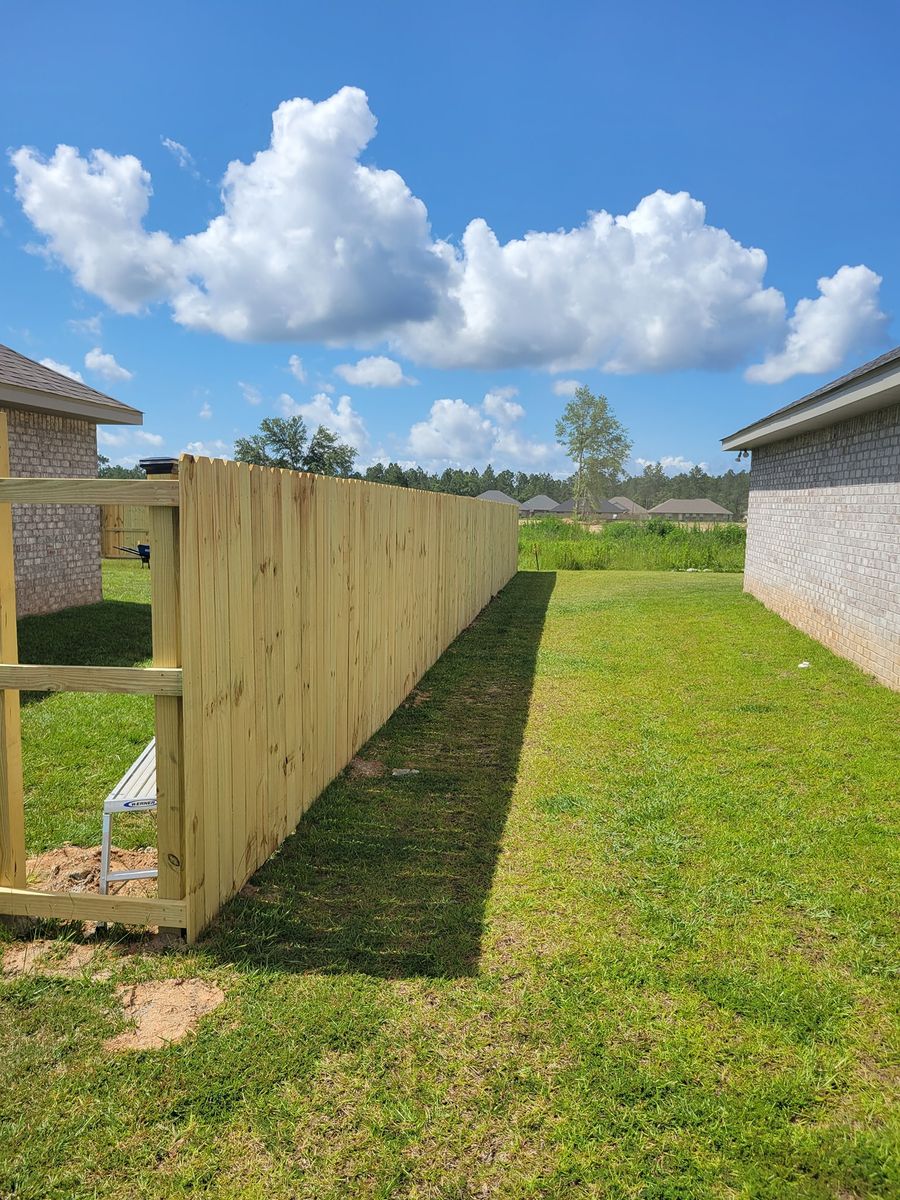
(627, 505)
(691, 508)
(27, 384)
(876, 384)
(600, 507)
(539, 504)
(500, 497)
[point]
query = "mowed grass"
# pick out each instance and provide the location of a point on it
(75, 746)
(631, 932)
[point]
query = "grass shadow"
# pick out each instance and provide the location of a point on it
(113, 633)
(388, 876)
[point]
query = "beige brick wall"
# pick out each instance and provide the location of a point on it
(823, 537)
(57, 547)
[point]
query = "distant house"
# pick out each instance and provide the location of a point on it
(497, 497)
(823, 523)
(537, 506)
(52, 423)
(691, 510)
(603, 510)
(631, 508)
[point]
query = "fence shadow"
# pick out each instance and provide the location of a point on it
(113, 633)
(388, 876)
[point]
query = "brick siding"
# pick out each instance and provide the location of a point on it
(57, 547)
(823, 537)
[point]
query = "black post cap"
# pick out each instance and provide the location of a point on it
(160, 466)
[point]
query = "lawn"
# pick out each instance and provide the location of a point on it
(631, 932)
(551, 544)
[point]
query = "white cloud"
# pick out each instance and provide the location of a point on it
(822, 332)
(566, 387)
(342, 418)
(312, 244)
(106, 365)
(212, 449)
(374, 371)
(297, 369)
(250, 393)
(675, 463)
(106, 438)
(182, 156)
(499, 405)
(87, 325)
(62, 369)
(205, 411)
(465, 435)
(151, 439)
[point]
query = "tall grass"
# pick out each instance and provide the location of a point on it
(550, 544)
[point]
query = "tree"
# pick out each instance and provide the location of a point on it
(106, 471)
(596, 442)
(283, 442)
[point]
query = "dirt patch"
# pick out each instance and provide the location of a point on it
(163, 1011)
(46, 957)
(366, 768)
(77, 869)
(417, 697)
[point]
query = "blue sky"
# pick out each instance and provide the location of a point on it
(394, 263)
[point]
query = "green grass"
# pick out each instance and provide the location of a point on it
(550, 544)
(630, 933)
(75, 746)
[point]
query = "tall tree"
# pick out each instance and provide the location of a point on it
(284, 442)
(597, 443)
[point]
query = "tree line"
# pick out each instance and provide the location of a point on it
(594, 439)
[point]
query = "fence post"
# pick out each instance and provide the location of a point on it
(12, 804)
(165, 593)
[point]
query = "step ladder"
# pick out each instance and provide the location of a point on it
(134, 793)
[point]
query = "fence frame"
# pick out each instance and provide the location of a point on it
(256, 555)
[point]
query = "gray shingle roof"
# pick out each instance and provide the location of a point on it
(539, 504)
(603, 507)
(499, 497)
(627, 505)
(696, 507)
(17, 371)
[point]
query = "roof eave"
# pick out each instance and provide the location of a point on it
(881, 389)
(33, 400)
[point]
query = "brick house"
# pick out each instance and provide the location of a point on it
(52, 424)
(823, 524)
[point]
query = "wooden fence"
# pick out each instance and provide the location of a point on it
(291, 615)
(123, 525)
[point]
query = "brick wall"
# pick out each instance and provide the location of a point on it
(57, 547)
(823, 537)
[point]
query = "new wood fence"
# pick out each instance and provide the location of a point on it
(123, 525)
(292, 613)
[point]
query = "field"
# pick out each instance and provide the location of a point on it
(630, 932)
(550, 544)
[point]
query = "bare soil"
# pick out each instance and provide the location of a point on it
(162, 1011)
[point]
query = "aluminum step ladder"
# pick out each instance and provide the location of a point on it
(134, 793)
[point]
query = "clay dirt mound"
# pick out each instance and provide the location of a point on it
(47, 957)
(365, 768)
(77, 869)
(163, 1011)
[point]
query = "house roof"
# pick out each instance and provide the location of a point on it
(627, 505)
(601, 507)
(499, 497)
(30, 385)
(691, 508)
(876, 384)
(539, 504)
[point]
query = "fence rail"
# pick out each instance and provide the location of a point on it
(291, 614)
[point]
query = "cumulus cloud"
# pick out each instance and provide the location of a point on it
(206, 411)
(465, 435)
(150, 439)
(675, 463)
(296, 368)
(312, 244)
(62, 369)
(105, 437)
(566, 387)
(341, 418)
(106, 365)
(374, 371)
(212, 449)
(822, 332)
